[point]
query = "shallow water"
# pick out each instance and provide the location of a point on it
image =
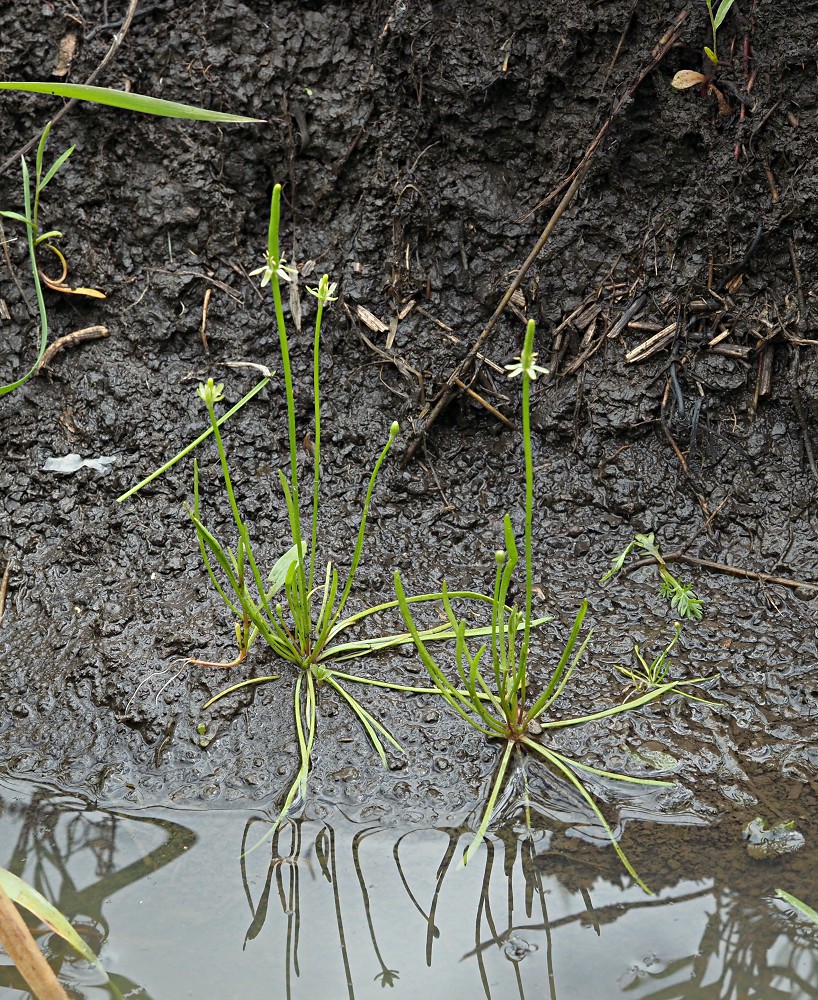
(340, 909)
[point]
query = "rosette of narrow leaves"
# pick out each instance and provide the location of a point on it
(646, 676)
(299, 608)
(493, 703)
(497, 702)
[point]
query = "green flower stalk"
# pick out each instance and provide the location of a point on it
(280, 607)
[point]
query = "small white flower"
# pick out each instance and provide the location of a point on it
(210, 392)
(278, 268)
(526, 366)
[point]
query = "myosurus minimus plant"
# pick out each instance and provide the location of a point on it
(299, 608)
(498, 702)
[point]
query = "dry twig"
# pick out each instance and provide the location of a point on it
(69, 340)
(717, 567)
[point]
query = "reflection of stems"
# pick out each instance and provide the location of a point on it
(339, 919)
(387, 976)
(292, 907)
(484, 902)
(434, 931)
(443, 867)
(533, 878)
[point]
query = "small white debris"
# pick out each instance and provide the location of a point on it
(73, 463)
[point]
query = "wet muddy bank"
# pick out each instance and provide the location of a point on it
(412, 143)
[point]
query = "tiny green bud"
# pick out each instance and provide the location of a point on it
(201, 729)
(393, 430)
(500, 557)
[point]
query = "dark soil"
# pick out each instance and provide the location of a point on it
(414, 140)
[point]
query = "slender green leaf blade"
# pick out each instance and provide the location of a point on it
(802, 908)
(128, 102)
(722, 12)
(56, 166)
(28, 897)
(16, 217)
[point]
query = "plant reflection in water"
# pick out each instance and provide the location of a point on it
(60, 836)
(343, 908)
(531, 898)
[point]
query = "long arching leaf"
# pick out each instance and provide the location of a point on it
(128, 102)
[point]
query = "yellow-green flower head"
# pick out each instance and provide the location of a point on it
(325, 292)
(211, 393)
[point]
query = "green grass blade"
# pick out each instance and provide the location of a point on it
(459, 702)
(721, 13)
(33, 901)
(802, 908)
(32, 253)
(273, 634)
(548, 695)
(127, 102)
(549, 753)
(586, 795)
(56, 166)
(194, 444)
(16, 217)
(236, 687)
(359, 541)
(369, 722)
(330, 591)
(387, 685)
(490, 805)
(606, 713)
(203, 548)
(300, 781)
(38, 159)
(296, 586)
(542, 705)
(417, 599)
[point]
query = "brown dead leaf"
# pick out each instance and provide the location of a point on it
(687, 78)
(58, 286)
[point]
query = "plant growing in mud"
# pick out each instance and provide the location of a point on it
(298, 608)
(687, 78)
(500, 706)
(646, 676)
(30, 219)
(682, 598)
(32, 192)
(716, 18)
